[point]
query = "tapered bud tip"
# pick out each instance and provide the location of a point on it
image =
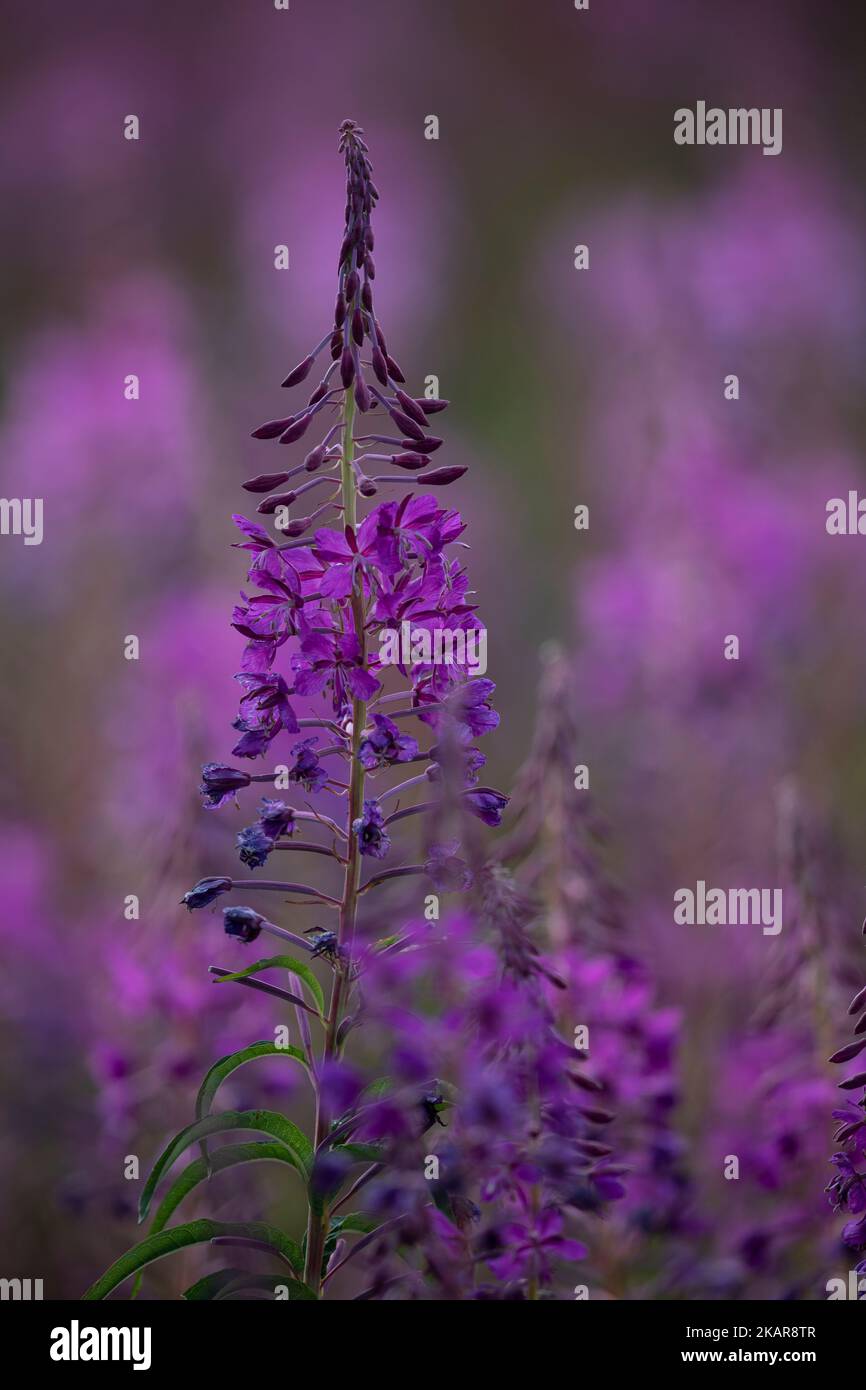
(406, 424)
(272, 428)
(299, 373)
(441, 477)
(858, 1001)
(296, 430)
(380, 366)
(264, 482)
(269, 505)
(846, 1053)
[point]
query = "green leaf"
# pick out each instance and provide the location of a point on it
(226, 1065)
(353, 1221)
(156, 1247)
(264, 1121)
(227, 1157)
(296, 967)
(378, 1088)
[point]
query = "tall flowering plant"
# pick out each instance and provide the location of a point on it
(325, 599)
(848, 1188)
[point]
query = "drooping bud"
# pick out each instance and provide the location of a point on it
(299, 373)
(297, 430)
(441, 477)
(272, 428)
(264, 482)
(315, 458)
(410, 459)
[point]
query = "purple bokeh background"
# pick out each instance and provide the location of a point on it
(602, 387)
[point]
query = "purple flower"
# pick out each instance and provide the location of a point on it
(373, 838)
(448, 872)
(385, 745)
(487, 804)
(327, 659)
(254, 846)
(220, 783)
(205, 891)
(531, 1248)
(306, 769)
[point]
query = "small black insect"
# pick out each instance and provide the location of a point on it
(325, 944)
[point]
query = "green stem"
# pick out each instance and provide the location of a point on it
(317, 1225)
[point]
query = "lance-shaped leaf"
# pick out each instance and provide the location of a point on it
(263, 1121)
(201, 1168)
(197, 1171)
(156, 1247)
(296, 967)
(226, 1065)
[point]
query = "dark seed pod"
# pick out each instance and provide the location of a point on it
(340, 310)
(363, 399)
(394, 370)
(367, 296)
(358, 327)
(336, 344)
(352, 283)
(320, 392)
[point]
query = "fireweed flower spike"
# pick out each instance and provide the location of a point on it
(848, 1188)
(319, 602)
